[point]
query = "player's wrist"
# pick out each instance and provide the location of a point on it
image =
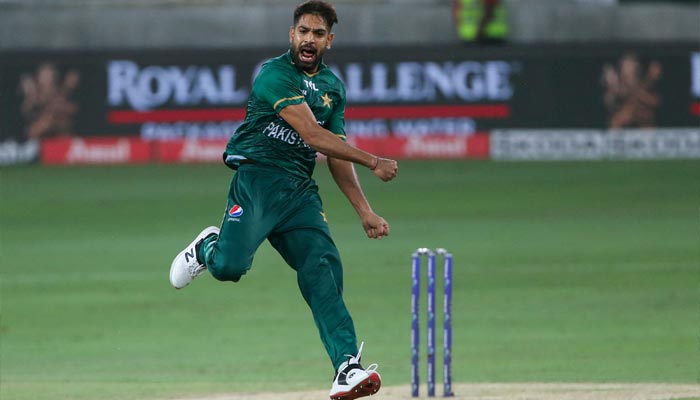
(375, 163)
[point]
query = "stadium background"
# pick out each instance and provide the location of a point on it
(580, 269)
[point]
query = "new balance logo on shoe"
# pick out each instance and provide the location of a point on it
(189, 255)
(185, 266)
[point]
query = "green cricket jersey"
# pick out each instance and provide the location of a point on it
(264, 137)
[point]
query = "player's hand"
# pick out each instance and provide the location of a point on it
(386, 169)
(375, 226)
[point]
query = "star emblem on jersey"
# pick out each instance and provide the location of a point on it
(326, 100)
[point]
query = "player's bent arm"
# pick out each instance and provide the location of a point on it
(343, 173)
(300, 117)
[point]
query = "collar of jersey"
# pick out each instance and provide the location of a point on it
(321, 66)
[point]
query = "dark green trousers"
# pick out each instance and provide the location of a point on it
(267, 203)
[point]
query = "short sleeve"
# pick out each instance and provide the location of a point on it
(277, 87)
(336, 123)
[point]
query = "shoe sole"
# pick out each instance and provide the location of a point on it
(367, 387)
(206, 232)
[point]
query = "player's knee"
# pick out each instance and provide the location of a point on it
(227, 268)
(322, 266)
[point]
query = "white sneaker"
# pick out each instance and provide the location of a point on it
(185, 266)
(352, 381)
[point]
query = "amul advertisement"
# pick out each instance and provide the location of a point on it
(411, 102)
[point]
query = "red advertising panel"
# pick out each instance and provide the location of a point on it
(189, 151)
(103, 150)
(427, 147)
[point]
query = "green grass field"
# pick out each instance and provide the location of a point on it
(564, 272)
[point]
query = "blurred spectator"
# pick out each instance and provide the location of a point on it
(481, 21)
(630, 95)
(46, 107)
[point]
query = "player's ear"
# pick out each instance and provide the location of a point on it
(330, 40)
(291, 34)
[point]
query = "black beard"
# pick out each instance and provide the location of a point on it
(305, 67)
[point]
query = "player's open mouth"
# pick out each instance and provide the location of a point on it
(307, 54)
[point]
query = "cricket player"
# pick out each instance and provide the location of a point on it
(296, 108)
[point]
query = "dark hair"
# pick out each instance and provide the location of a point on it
(321, 8)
